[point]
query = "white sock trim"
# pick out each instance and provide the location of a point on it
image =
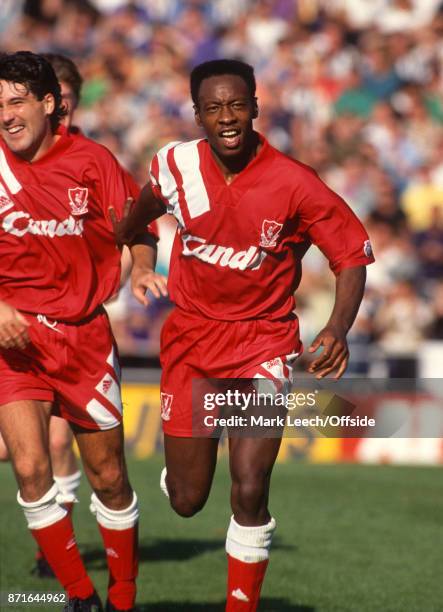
(115, 519)
(68, 486)
(163, 485)
(45, 511)
(249, 544)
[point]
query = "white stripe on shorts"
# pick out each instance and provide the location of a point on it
(114, 363)
(101, 415)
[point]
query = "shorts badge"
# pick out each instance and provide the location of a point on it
(166, 404)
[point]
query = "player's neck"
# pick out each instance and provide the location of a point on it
(40, 150)
(232, 166)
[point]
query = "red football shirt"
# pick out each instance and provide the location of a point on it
(58, 252)
(238, 249)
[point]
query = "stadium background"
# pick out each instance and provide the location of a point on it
(353, 88)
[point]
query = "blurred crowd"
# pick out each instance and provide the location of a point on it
(353, 88)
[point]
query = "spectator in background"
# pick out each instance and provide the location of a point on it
(356, 98)
(420, 199)
(435, 331)
(401, 324)
(429, 244)
(386, 208)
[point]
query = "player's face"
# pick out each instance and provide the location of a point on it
(225, 111)
(70, 102)
(24, 120)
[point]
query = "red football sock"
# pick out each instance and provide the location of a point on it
(69, 507)
(57, 542)
(244, 584)
(122, 556)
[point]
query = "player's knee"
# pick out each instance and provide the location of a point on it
(32, 476)
(249, 495)
(110, 481)
(185, 506)
(4, 455)
(185, 502)
(60, 445)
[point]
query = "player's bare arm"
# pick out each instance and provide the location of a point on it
(143, 275)
(13, 328)
(142, 246)
(136, 215)
(349, 290)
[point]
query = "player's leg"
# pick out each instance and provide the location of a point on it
(61, 438)
(88, 394)
(251, 462)
(4, 455)
(251, 528)
(65, 467)
(66, 474)
(115, 505)
(190, 467)
(24, 425)
(190, 461)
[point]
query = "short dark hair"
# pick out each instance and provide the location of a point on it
(38, 77)
(219, 67)
(65, 70)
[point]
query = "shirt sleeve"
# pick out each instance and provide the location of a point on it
(329, 223)
(161, 179)
(154, 180)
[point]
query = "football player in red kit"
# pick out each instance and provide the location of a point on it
(64, 463)
(246, 215)
(59, 264)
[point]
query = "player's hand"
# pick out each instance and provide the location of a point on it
(122, 235)
(335, 354)
(144, 279)
(13, 328)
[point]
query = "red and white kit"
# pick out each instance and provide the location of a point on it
(236, 260)
(59, 264)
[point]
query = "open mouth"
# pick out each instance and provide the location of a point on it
(15, 129)
(230, 137)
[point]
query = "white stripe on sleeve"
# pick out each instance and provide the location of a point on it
(187, 159)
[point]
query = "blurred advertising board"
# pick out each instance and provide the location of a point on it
(407, 417)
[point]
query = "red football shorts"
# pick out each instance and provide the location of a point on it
(73, 365)
(194, 347)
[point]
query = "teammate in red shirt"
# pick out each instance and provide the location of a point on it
(59, 264)
(246, 216)
(64, 463)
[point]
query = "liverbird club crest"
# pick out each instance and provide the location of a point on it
(78, 199)
(269, 233)
(166, 404)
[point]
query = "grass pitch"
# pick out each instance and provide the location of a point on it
(349, 539)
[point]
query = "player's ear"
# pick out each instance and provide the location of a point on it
(254, 108)
(49, 103)
(197, 115)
